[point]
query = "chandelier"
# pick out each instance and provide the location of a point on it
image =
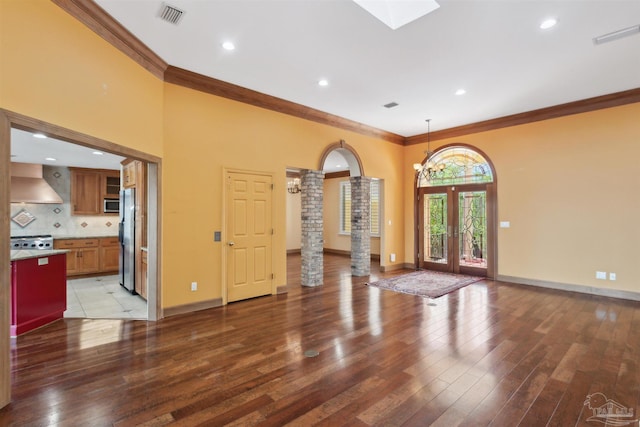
(293, 187)
(430, 170)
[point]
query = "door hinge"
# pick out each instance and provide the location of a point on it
(272, 186)
(272, 232)
(273, 276)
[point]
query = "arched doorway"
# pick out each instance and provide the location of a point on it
(455, 212)
(352, 165)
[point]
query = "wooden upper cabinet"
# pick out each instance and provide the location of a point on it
(85, 188)
(89, 189)
(111, 184)
(129, 173)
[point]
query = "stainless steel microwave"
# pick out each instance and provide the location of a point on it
(111, 205)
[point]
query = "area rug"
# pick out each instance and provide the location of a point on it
(430, 284)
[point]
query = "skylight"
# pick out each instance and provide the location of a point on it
(396, 13)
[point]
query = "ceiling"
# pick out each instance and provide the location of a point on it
(25, 148)
(494, 50)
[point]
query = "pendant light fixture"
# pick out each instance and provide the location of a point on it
(429, 170)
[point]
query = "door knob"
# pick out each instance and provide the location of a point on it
(232, 243)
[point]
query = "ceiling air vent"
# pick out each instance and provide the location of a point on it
(390, 105)
(171, 14)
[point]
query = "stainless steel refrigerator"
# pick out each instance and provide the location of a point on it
(126, 237)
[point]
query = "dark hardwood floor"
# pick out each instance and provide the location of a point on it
(488, 354)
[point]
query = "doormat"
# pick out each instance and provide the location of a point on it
(425, 283)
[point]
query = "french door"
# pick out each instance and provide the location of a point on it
(455, 232)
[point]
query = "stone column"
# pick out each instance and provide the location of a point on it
(360, 226)
(312, 244)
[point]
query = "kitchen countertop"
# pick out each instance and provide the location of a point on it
(21, 254)
(83, 237)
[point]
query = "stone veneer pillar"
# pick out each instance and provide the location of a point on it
(312, 245)
(360, 226)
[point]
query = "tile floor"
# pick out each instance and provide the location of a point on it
(103, 298)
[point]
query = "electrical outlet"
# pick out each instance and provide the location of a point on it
(194, 286)
(601, 275)
(392, 257)
(612, 276)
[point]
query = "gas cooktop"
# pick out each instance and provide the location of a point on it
(44, 241)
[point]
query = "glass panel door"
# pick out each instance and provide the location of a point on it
(472, 230)
(435, 231)
(453, 231)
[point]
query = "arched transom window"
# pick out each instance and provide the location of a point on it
(454, 165)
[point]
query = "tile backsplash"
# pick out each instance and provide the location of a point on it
(56, 219)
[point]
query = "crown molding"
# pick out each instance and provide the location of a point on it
(101, 23)
(583, 106)
(227, 90)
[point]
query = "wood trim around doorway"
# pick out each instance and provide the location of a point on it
(5, 265)
(8, 120)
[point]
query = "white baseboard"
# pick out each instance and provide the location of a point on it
(611, 293)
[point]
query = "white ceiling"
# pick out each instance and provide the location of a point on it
(494, 50)
(27, 149)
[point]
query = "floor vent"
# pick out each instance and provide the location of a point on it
(171, 14)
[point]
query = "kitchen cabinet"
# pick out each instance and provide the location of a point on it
(109, 255)
(90, 188)
(129, 173)
(83, 256)
(84, 192)
(110, 184)
(38, 292)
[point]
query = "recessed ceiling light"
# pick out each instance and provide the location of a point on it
(98, 153)
(548, 23)
(40, 135)
(50, 159)
(228, 46)
(391, 105)
(323, 82)
(461, 92)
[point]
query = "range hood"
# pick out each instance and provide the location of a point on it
(28, 185)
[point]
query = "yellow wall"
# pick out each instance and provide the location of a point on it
(294, 221)
(569, 188)
(55, 69)
(205, 134)
(331, 220)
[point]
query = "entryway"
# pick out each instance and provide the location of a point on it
(455, 197)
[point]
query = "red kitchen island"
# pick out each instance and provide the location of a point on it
(38, 288)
